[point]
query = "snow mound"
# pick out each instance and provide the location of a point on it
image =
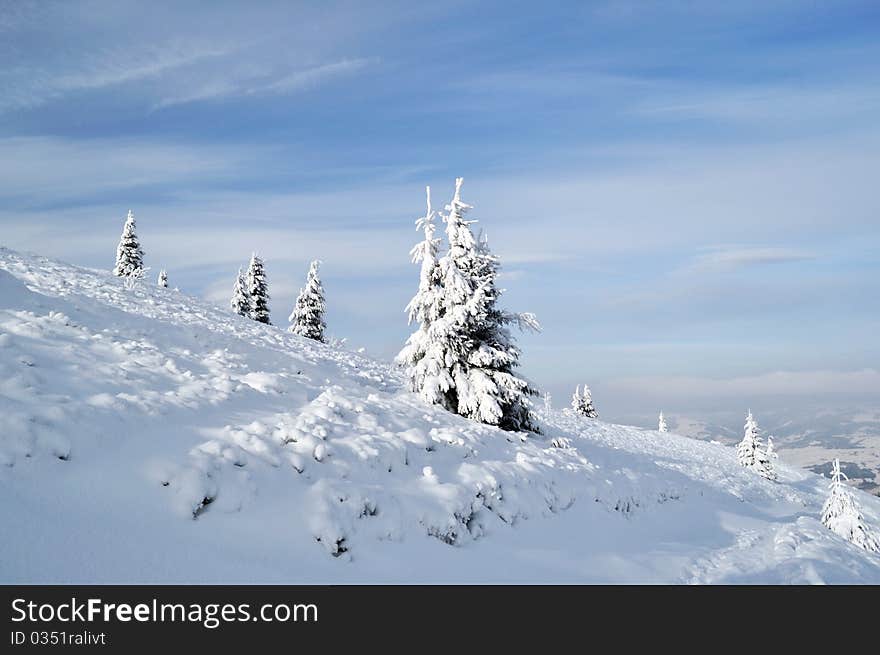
(148, 436)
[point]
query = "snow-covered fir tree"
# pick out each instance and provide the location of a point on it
(661, 424)
(748, 447)
(258, 291)
(582, 403)
(163, 279)
(307, 317)
(764, 460)
(463, 355)
(495, 394)
(129, 256)
(241, 300)
(751, 451)
(841, 513)
(423, 355)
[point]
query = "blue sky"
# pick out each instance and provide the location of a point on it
(685, 193)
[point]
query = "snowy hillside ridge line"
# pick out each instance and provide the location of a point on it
(142, 411)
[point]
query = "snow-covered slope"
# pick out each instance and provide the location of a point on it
(148, 436)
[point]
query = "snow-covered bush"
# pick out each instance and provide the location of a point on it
(162, 282)
(134, 276)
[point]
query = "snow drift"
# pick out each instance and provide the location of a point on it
(148, 436)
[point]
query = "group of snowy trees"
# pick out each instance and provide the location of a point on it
(250, 298)
(250, 293)
(463, 356)
(840, 514)
(582, 403)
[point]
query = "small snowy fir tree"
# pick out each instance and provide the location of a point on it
(748, 447)
(129, 256)
(307, 317)
(752, 453)
(258, 291)
(582, 403)
(767, 456)
(241, 300)
(841, 514)
(548, 402)
(163, 279)
(661, 424)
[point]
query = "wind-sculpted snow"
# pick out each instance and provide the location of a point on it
(149, 436)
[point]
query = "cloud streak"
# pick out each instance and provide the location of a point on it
(283, 84)
(733, 258)
(32, 87)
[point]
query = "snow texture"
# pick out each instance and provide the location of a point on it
(148, 436)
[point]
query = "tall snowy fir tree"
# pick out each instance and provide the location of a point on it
(241, 300)
(582, 403)
(423, 353)
(465, 358)
(163, 279)
(307, 317)
(129, 256)
(842, 515)
(477, 334)
(661, 424)
(258, 291)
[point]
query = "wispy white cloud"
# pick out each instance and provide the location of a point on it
(760, 104)
(280, 84)
(310, 76)
(31, 87)
(732, 258)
